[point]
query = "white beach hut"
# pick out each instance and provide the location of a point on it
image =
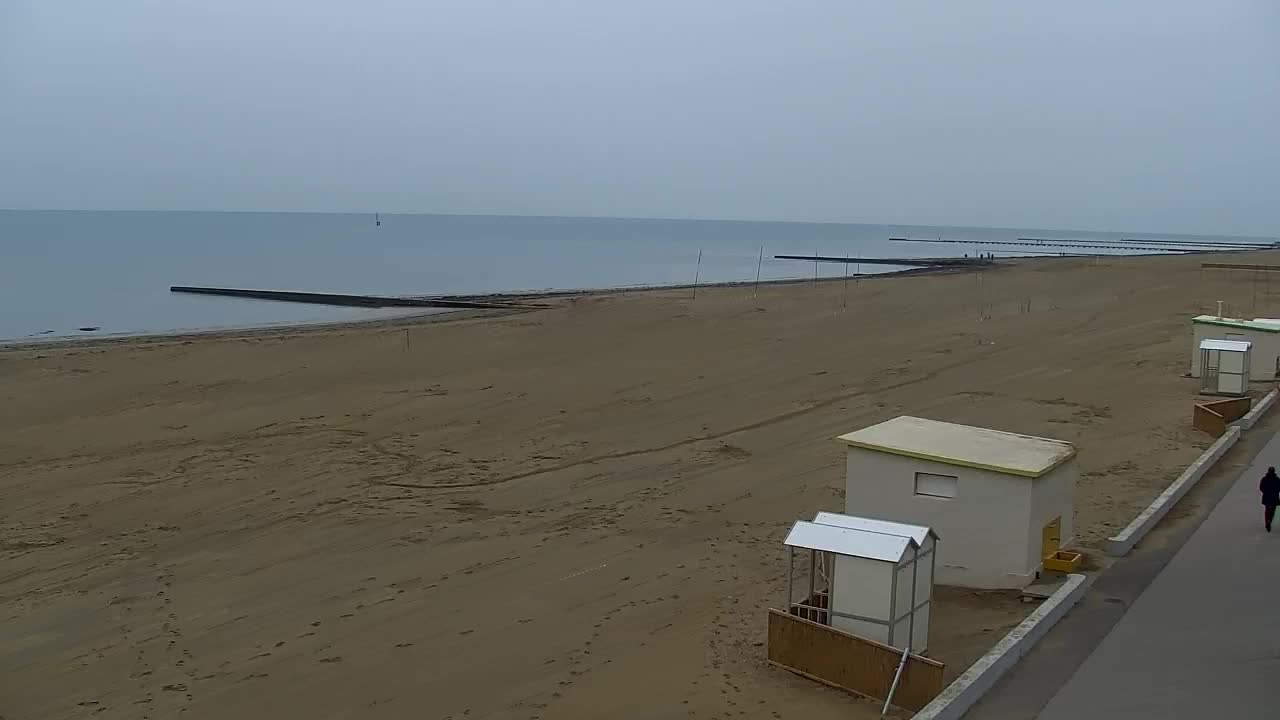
(1224, 367)
(1262, 334)
(1003, 501)
(867, 577)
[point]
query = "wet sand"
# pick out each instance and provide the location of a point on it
(574, 512)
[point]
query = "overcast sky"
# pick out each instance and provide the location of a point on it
(1160, 115)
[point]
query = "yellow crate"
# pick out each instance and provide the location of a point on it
(1063, 561)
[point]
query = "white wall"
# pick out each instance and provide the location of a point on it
(1231, 379)
(1052, 495)
(861, 586)
(1262, 361)
(983, 530)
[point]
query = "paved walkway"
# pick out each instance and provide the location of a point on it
(1203, 641)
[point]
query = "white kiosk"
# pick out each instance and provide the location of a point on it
(1003, 501)
(1262, 334)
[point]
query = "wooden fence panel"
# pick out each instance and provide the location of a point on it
(822, 653)
(1213, 417)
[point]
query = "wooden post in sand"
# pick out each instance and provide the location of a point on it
(759, 264)
(697, 274)
(844, 301)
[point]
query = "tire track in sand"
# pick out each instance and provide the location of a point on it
(765, 422)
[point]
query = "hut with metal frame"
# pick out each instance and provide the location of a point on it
(869, 578)
(1224, 367)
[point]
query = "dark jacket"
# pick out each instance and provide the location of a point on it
(1270, 487)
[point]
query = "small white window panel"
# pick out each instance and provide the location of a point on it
(938, 486)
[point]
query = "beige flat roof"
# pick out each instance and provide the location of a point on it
(1270, 325)
(963, 445)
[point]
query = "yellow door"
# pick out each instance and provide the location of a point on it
(1051, 538)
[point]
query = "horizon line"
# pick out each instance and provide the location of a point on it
(631, 217)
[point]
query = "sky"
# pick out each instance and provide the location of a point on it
(1105, 115)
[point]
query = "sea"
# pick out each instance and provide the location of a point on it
(92, 273)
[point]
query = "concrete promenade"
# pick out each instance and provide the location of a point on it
(1203, 640)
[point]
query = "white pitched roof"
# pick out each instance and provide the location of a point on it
(915, 532)
(952, 444)
(848, 541)
(1228, 345)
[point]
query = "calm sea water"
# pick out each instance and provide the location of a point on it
(64, 270)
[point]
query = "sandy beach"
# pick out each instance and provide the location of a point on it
(568, 513)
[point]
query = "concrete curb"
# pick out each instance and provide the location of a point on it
(1121, 544)
(969, 688)
(1258, 411)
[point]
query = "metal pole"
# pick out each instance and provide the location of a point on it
(893, 604)
(791, 568)
(697, 274)
(933, 567)
(897, 675)
(759, 264)
(829, 562)
(813, 558)
(915, 571)
(815, 270)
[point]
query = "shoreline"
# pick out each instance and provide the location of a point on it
(227, 332)
(430, 315)
(623, 289)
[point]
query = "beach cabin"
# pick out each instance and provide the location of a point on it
(1224, 367)
(867, 577)
(1262, 334)
(1003, 501)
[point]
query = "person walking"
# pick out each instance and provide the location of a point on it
(1270, 488)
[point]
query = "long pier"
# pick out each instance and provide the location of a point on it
(1061, 244)
(904, 262)
(372, 301)
(1194, 243)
